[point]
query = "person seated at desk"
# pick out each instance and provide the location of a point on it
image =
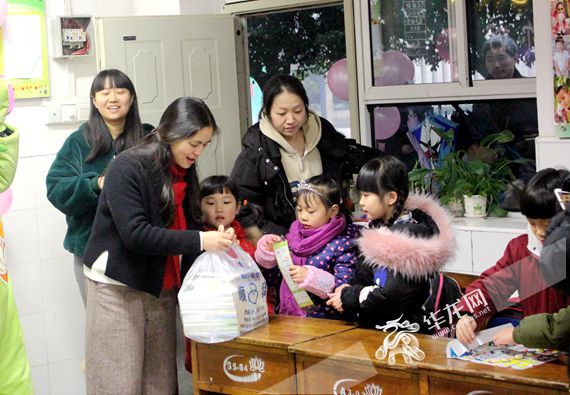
(518, 269)
(548, 330)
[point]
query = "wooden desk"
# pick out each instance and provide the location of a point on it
(464, 280)
(259, 361)
(345, 361)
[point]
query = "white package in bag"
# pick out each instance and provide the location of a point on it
(223, 296)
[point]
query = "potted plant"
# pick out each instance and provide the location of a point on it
(442, 178)
(461, 174)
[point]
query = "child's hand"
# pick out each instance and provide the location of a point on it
(504, 336)
(334, 298)
(269, 241)
(466, 329)
(298, 273)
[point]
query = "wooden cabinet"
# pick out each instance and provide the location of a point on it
(446, 385)
(294, 355)
(346, 365)
(259, 361)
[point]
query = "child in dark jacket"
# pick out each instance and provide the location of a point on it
(409, 239)
(518, 269)
(320, 244)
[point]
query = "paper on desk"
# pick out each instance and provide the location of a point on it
(456, 349)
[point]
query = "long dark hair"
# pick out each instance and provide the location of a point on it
(381, 176)
(97, 132)
(183, 118)
(282, 83)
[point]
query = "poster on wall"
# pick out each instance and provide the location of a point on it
(23, 53)
(560, 34)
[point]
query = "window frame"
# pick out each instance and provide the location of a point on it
(245, 8)
(459, 90)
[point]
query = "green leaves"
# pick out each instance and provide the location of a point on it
(464, 174)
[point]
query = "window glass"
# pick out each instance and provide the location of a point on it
(413, 132)
(501, 39)
(309, 44)
(412, 42)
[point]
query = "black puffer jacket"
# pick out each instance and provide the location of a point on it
(393, 277)
(262, 181)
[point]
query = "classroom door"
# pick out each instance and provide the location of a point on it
(172, 56)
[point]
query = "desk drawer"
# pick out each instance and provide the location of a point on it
(447, 386)
(327, 376)
(227, 367)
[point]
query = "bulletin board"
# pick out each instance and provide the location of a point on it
(560, 28)
(24, 53)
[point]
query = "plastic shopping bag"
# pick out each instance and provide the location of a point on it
(222, 296)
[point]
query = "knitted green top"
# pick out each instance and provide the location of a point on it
(73, 189)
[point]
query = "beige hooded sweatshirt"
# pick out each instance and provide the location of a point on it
(298, 168)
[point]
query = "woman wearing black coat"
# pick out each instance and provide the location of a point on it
(289, 144)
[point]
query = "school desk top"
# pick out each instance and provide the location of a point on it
(436, 374)
(259, 361)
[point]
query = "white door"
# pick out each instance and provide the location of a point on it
(172, 56)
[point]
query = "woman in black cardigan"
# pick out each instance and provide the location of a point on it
(146, 219)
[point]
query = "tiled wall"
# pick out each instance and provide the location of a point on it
(48, 300)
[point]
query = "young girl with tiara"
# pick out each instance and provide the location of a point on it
(320, 244)
(409, 239)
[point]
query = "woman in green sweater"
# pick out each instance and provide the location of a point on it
(76, 176)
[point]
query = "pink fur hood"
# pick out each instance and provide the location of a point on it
(412, 257)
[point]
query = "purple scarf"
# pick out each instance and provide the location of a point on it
(303, 243)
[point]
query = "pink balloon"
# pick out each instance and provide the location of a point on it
(5, 201)
(386, 122)
(3, 11)
(394, 68)
(337, 79)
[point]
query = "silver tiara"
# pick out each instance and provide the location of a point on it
(304, 186)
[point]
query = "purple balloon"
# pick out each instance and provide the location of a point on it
(337, 79)
(393, 68)
(386, 122)
(5, 201)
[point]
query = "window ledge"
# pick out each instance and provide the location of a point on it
(514, 223)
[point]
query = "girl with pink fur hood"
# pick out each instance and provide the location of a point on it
(409, 240)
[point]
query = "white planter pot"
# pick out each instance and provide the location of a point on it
(475, 206)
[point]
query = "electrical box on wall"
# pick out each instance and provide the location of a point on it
(71, 36)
